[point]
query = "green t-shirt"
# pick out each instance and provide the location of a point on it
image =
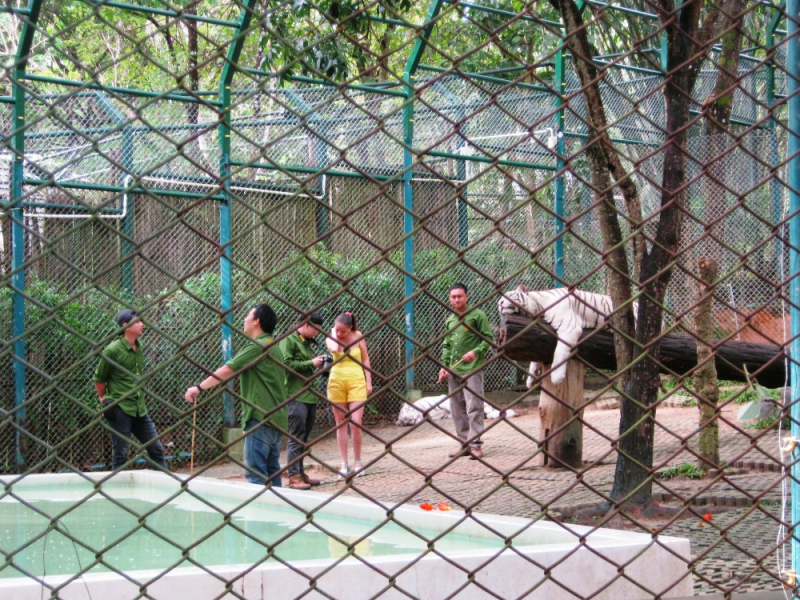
(470, 331)
(120, 368)
(262, 382)
(297, 355)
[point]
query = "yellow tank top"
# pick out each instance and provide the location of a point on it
(349, 368)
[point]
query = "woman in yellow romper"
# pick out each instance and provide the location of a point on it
(349, 385)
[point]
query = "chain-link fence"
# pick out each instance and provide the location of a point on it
(193, 160)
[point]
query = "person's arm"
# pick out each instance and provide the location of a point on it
(481, 325)
(446, 351)
(367, 365)
(101, 375)
(331, 343)
(221, 375)
(487, 335)
(293, 356)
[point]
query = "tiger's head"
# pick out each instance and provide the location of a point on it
(517, 301)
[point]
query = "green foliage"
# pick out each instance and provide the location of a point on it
(682, 470)
(768, 423)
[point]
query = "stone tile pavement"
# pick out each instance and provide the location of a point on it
(737, 550)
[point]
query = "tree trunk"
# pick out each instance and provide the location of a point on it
(560, 418)
(764, 362)
(705, 377)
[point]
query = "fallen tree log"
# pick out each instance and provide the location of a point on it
(527, 340)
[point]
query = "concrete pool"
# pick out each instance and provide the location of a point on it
(198, 539)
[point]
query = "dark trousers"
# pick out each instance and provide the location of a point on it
(301, 422)
(143, 429)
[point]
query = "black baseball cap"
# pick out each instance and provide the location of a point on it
(126, 316)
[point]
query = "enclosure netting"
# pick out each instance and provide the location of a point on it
(296, 191)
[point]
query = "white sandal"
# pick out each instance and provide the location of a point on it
(344, 471)
(358, 469)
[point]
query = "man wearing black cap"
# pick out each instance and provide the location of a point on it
(119, 387)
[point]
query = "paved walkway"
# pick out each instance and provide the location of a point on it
(735, 551)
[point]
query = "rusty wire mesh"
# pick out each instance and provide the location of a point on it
(365, 157)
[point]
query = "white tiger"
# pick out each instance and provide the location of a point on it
(565, 311)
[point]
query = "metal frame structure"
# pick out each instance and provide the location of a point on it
(224, 98)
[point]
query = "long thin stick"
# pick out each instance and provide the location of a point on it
(194, 427)
(455, 365)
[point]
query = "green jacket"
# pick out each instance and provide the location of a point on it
(121, 368)
(297, 355)
(262, 382)
(470, 331)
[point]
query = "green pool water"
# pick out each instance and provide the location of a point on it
(185, 532)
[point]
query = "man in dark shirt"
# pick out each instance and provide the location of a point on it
(119, 387)
(298, 356)
(263, 392)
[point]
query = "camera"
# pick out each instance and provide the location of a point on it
(326, 361)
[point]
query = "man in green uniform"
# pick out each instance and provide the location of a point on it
(468, 339)
(263, 392)
(118, 383)
(298, 356)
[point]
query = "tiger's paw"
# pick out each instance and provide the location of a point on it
(558, 375)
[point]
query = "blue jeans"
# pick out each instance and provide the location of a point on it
(143, 429)
(262, 449)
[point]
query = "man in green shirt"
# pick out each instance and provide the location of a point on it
(298, 356)
(263, 392)
(118, 383)
(468, 339)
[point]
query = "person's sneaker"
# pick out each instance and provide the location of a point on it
(458, 452)
(475, 453)
(309, 480)
(296, 482)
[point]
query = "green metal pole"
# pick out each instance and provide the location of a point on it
(558, 184)
(408, 194)
(225, 272)
(18, 227)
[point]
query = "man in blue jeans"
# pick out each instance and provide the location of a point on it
(118, 383)
(263, 392)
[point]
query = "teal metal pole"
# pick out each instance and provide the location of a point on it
(408, 193)
(225, 271)
(558, 184)
(793, 93)
(408, 228)
(18, 229)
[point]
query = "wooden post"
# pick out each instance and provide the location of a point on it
(560, 418)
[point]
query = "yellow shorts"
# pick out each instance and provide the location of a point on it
(347, 391)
